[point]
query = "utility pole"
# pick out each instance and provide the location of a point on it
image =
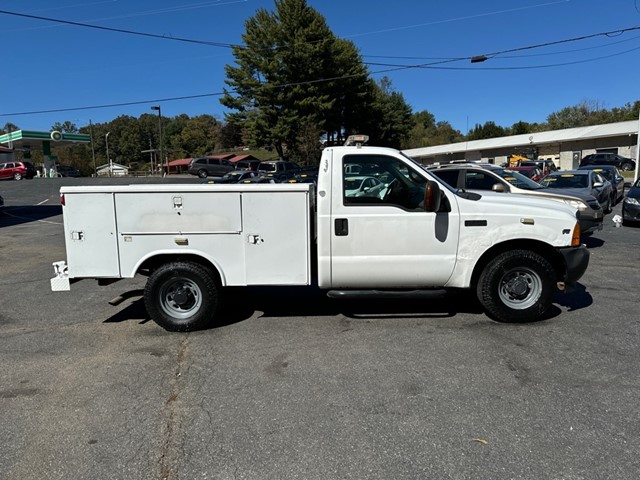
(106, 139)
(635, 175)
(157, 107)
(93, 150)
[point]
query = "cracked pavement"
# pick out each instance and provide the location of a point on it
(294, 386)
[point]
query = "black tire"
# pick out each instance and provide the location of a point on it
(182, 296)
(517, 286)
(608, 208)
(17, 176)
(626, 166)
(202, 173)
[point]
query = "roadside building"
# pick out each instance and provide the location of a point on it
(565, 147)
(112, 170)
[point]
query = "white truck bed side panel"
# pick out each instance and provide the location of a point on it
(204, 223)
(90, 235)
(225, 252)
(178, 212)
(277, 238)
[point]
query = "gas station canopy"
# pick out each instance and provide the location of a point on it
(32, 140)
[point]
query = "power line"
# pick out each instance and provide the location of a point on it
(111, 105)
(402, 57)
(119, 30)
(457, 19)
(486, 56)
(524, 67)
(436, 64)
(611, 33)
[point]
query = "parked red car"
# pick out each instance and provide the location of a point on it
(16, 170)
(533, 173)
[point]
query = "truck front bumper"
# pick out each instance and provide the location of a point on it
(576, 260)
(589, 225)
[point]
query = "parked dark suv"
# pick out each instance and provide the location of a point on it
(67, 171)
(623, 163)
(16, 170)
(205, 166)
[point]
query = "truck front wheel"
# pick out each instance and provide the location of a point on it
(182, 296)
(517, 286)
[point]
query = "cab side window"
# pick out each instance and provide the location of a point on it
(381, 180)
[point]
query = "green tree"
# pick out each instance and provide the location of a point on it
(587, 112)
(199, 136)
(427, 132)
(230, 135)
(488, 130)
(66, 127)
(281, 83)
(353, 92)
(627, 112)
(9, 127)
(390, 119)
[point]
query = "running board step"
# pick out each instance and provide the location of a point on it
(399, 294)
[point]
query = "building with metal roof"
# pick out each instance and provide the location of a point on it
(565, 147)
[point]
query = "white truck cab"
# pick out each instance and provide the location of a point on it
(411, 237)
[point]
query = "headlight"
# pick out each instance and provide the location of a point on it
(579, 204)
(631, 201)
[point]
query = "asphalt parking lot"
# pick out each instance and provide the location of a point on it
(295, 386)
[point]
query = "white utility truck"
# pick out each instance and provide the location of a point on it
(401, 233)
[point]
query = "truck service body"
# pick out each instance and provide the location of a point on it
(414, 236)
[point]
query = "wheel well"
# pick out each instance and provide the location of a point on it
(543, 249)
(150, 264)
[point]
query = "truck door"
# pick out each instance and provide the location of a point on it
(382, 237)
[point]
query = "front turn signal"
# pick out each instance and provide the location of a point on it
(575, 238)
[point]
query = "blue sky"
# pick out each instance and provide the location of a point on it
(49, 66)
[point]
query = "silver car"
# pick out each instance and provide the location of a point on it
(498, 179)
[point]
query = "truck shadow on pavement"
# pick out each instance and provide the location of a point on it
(576, 300)
(241, 304)
(593, 242)
(17, 215)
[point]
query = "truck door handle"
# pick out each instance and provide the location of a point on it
(342, 227)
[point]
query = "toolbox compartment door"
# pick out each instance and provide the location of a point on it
(90, 235)
(276, 237)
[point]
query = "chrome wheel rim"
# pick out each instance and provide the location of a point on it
(180, 297)
(520, 288)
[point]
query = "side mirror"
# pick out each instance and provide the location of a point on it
(432, 197)
(498, 187)
(598, 185)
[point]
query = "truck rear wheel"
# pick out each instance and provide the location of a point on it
(182, 296)
(517, 286)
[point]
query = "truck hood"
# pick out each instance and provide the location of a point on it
(523, 204)
(492, 218)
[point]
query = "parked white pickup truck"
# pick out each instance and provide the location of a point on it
(408, 239)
